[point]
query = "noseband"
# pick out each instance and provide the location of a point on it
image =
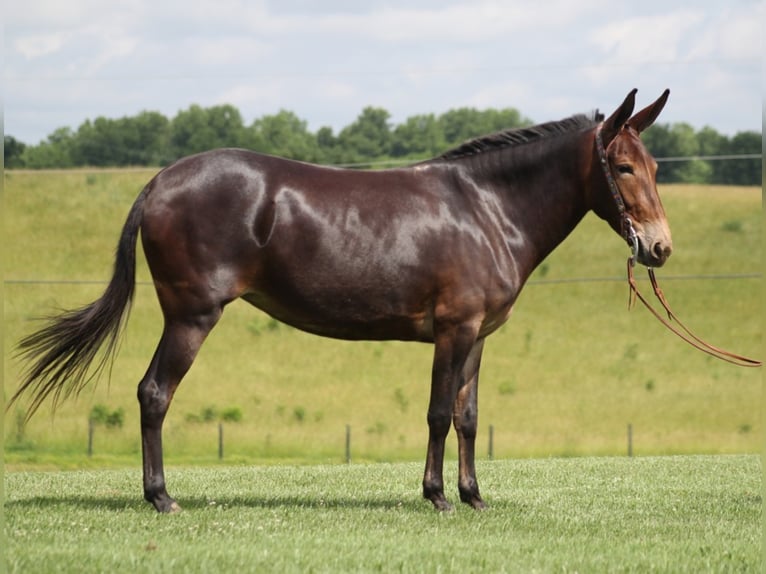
(628, 232)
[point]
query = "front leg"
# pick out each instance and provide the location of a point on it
(465, 418)
(451, 350)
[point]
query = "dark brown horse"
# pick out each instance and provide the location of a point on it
(435, 252)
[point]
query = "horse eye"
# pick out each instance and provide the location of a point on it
(625, 168)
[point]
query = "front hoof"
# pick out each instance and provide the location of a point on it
(441, 505)
(470, 495)
(166, 505)
(474, 501)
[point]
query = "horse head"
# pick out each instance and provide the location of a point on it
(632, 206)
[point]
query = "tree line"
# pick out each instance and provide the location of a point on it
(151, 139)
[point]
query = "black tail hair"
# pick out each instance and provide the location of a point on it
(62, 351)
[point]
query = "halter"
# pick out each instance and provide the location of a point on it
(628, 232)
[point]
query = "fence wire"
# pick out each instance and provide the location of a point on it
(542, 281)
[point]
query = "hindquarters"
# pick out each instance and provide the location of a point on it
(197, 231)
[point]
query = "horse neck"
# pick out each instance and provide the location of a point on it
(542, 189)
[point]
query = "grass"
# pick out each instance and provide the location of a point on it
(566, 375)
(655, 514)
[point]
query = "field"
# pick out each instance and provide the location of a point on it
(560, 384)
(564, 377)
(650, 514)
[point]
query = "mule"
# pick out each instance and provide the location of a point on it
(434, 252)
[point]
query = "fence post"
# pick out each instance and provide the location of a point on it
(91, 427)
(491, 442)
(220, 441)
(630, 440)
(348, 444)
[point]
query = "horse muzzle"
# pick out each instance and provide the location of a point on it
(654, 245)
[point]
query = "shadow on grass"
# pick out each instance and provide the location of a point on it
(220, 503)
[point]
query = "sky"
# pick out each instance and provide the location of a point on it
(72, 60)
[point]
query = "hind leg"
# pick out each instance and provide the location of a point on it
(181, 339)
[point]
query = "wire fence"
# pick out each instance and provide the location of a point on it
(562, 280)
(399, 162)
(377, 164)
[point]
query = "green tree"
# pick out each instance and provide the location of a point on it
(97, 143)
(137, 140)
(419, 136)
(743, 171)
(463, 124)
(199, 129)
(149, 138)
(54, 152)
(711, 144)
(13, 151)
(367, 138)
(328, 144)
(146, 139)
(676, 141)
(284, 134)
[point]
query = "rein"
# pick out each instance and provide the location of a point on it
(629, 234)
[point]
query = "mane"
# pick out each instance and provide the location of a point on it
(519, 136)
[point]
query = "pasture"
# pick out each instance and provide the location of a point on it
(560, 383)
(564, 377)
(685, 514)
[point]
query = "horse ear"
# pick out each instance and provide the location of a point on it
(646, 117)
(614, 123)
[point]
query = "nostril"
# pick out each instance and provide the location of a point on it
(661, 251)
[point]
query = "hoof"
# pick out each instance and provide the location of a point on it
(441, 504)
(166, 505)
(472, 498)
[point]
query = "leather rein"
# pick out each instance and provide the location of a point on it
(629, 234)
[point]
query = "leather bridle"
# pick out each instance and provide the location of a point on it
(628, 232)
(626, 225)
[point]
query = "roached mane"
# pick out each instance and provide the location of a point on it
(518, 136)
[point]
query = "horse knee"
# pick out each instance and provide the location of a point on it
(466, 423)
(439, 422)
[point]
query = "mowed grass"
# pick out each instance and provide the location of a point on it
(653, 514)
(564, 377)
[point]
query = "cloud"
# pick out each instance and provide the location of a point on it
(656, 38)
(38, 45)
(737, 34)
(326, 61)
(217, 53)
(450, 23)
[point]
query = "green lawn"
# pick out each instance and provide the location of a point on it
(654, 514)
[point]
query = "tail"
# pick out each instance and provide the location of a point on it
(62, 352)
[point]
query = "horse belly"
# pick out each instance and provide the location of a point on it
(344, 314)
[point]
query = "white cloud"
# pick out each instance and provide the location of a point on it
(218, 53)
(71, 14)
(733, 34)
(463, 21)
(656, 38)
(37, 45)
(326, 61)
